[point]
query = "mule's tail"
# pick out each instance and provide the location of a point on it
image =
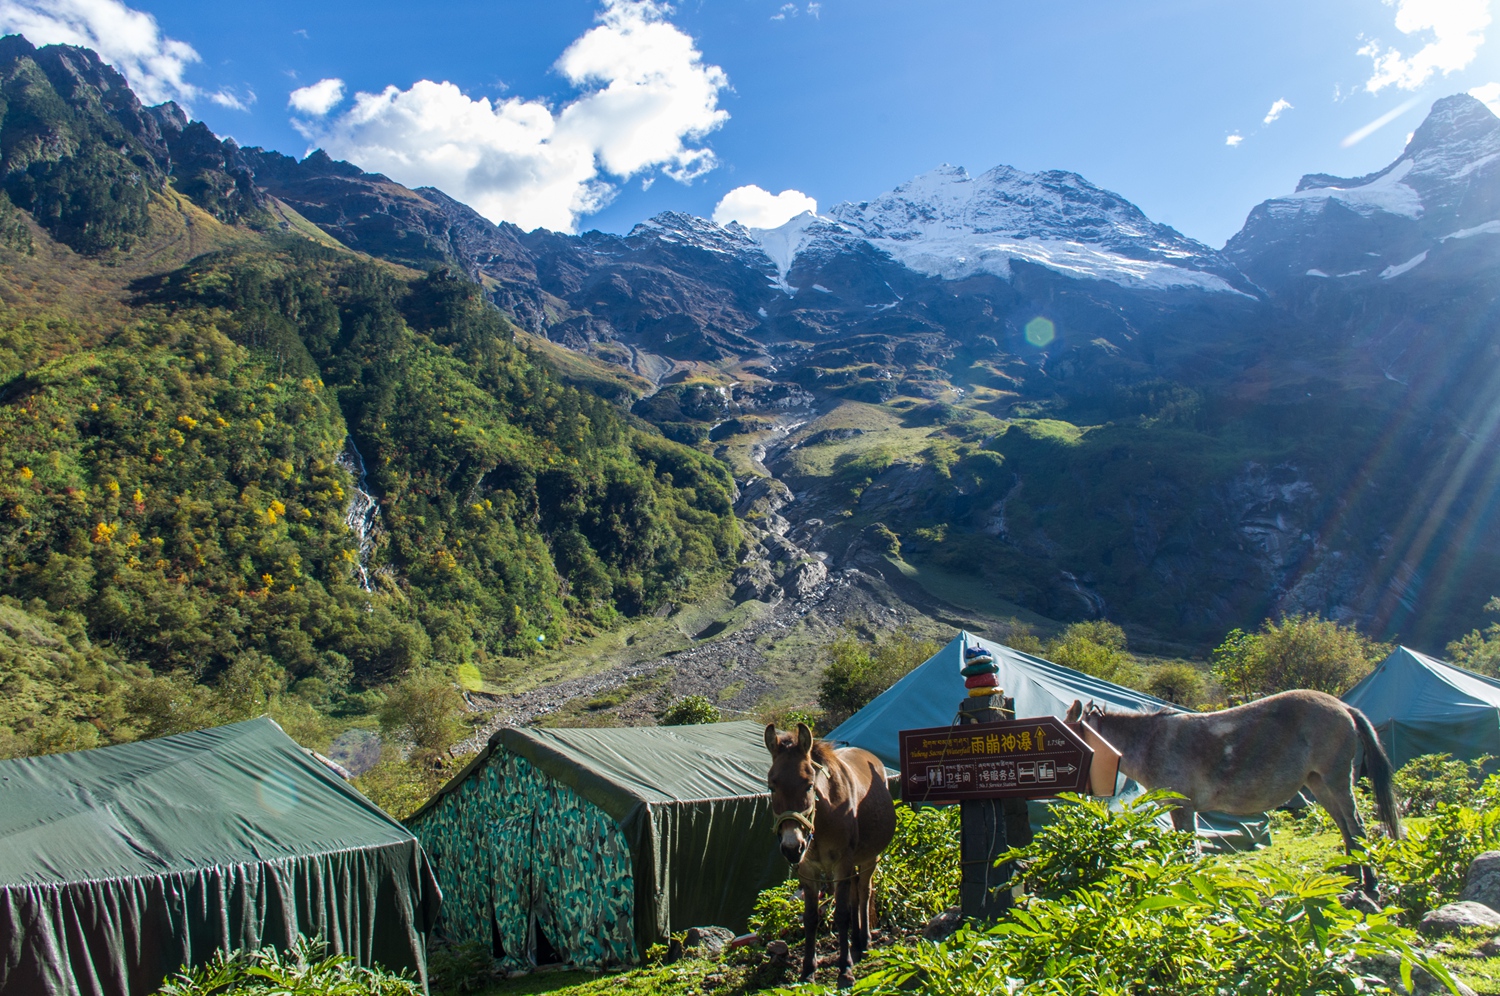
(1381, 774)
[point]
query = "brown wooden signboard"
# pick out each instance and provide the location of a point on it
(1014, 758)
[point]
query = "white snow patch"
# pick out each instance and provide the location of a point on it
(1396, 271)
(1488, 228)
(1316, 273)
(820, 287)
(782, 244)
(1354, 273)
(762, 312)
(1386, 193)
(968, 254)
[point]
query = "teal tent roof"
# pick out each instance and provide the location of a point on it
(1421, 705)
(930, 694)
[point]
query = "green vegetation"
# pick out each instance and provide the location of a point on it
(1131, 909)
(1096, 647)
(1480, 650)
(917, 878)
(860, 669)
(1296, 652)
(306, 970)
(1432, 780)
(690, 710)
(177, 553)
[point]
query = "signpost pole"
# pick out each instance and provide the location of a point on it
(988, 827)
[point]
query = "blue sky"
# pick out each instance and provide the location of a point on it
(839, 100)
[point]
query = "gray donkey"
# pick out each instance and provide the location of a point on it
(1254, 757)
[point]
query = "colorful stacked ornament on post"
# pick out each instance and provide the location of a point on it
(980, 672)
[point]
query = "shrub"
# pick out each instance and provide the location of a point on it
(1426, 868)
(859, 670)
(1135, 911)
(1082, 845)
(306, 970)
(1479, 650)
(690, 710)
(1177, 681)
(917, 877)
(1096, 648)
(423, 709)
(1296, 652)
(1425, 782)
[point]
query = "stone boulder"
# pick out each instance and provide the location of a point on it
(1458, 916)
(1482, 885)
(709, 941)
(944, 924)
(804, 579)
(754, 581)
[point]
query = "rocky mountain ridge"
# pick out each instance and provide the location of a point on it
(1013, 378)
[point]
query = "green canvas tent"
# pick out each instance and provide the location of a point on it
(1421, 705)
(929, 697)
(587, 846)
(120, 865)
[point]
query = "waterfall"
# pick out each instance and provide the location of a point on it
(363, 509)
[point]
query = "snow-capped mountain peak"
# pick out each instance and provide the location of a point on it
(1445, 185)
(947, 223)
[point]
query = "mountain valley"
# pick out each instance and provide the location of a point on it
(592, 471)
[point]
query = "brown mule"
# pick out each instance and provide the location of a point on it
(1255, 757)
(834, 816)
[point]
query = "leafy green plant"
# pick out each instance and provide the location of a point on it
(1145, 914)
(1479, 650)
(859, 669)
(1177, 681)
(1096, 647)
(778, 912)
(1425, 782)
(917, 877)
(690, 710)
(1300, 651)
(306, 970)
(1083, 844)
(1426, 868)
(459, 968)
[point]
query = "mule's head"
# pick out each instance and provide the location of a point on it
(1086, 714)
(793, 780)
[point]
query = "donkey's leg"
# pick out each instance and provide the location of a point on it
(863, 901)
(1337, 796)
(1185, 818)
(810, 926)
(843, 917)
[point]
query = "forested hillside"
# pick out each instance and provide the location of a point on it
(179, 436)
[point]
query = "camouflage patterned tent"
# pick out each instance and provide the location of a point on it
(587, 846)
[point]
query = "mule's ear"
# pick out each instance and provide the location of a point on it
(773, 739)
(1075, 711)
(804, 738)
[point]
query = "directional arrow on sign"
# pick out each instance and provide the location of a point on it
(1066, 769)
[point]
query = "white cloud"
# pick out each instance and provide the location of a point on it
(317, 98)
(815, 10)
(1489, 94)
(1457, 31)
(1277, 110)
(130, 40)
(1234, 140)
(787, 10)
(226, 97)
(648, 98)
(756, 208)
